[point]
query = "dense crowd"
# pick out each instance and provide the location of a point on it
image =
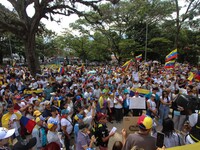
(70, 108)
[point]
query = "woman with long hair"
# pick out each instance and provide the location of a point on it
(165, 102)
(172, 138)
(29, 112)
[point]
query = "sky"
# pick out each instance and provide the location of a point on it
(65, 21)
(57, 27)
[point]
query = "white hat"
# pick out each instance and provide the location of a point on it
(46, 102)
(5, 133)
(53, 93)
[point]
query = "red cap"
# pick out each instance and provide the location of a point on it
(100, 116)
(18, 97)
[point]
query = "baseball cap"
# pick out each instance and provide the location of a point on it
(64, 111)
(53, 93)
(116, 94)
(5, 133)
(78, 97)
(46, 102)
(37, 113)
(100, 116)
(24, 146)
(153, 95)
(145, 122)
(18, 97)
(51, 124)
(78, 116)
(126, 91)
(40, 118)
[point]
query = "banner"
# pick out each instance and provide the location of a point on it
(137, 103)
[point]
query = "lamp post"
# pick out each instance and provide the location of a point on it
(10, 50)
(145, 56)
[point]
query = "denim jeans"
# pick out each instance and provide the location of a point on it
(163, 113)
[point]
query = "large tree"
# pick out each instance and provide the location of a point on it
(25, 27)
(124, 24)
(190, 15)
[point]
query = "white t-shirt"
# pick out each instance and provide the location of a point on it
(111, 101)
(97, 93)
(33, 99)
(118, 104)
(152, 104)
(193, 118)
(165, 99)
(15, 125)
(67, 122)
(59, 79)
(51, 119)
(53, 137)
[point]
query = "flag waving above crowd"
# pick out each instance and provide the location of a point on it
(172, 55)
(170, 59)
(139, 57)
(127, 64)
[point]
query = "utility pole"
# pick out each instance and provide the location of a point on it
(10, 50)
(145, 56)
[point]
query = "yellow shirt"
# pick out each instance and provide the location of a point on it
(6, 118)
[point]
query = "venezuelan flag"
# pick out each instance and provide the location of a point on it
(126, 65)
(191, 76)
(172, 55)
(27, 123)
(90, 77)
(142, 92)
(61, 70)
(139, 57)
(170, 64)
(80, 69)
(197, 76)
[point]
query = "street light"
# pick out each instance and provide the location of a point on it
(145, 56)
(10, 50)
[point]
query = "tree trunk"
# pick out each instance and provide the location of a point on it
(176, 44)
(32, 59)
(1, 57)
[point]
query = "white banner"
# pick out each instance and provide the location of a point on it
(137, 103)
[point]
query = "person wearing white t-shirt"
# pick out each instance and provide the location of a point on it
(59, 79)
(52, 135)
(118, 100)
(87, 94)
(194, 122)
(33, 98)
(54, 118)
(151, 107)
(67, 127)
(110, 101)
(164, 106)
(97, 92)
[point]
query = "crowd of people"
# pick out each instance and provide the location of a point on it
(70, 108)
